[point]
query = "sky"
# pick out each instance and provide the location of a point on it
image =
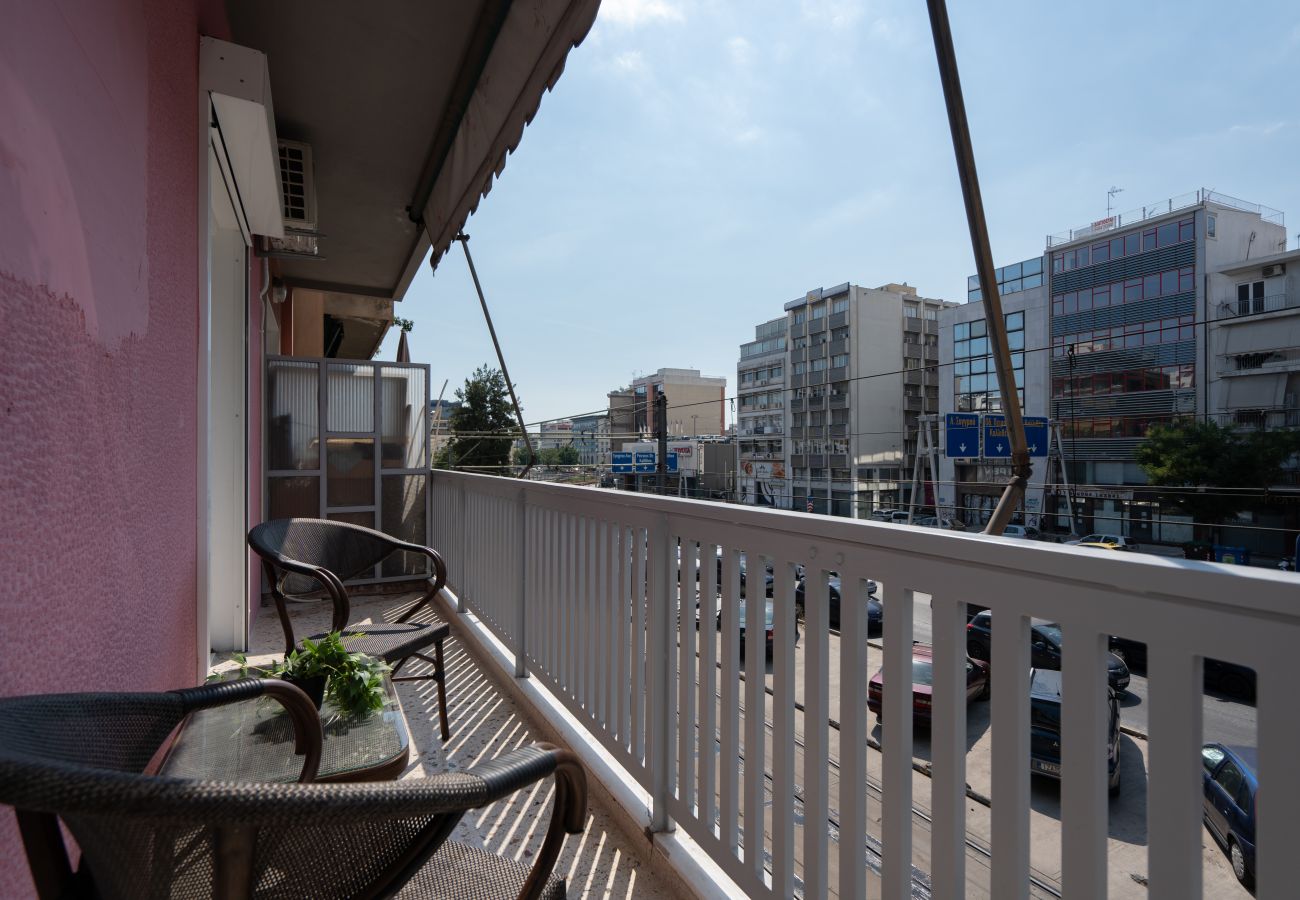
(699, 164)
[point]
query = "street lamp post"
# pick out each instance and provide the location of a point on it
(1074, 435)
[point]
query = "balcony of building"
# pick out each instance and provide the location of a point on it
(616, 615)
(1258, 362)
(1238, 308)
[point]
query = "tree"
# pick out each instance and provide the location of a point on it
(1216, 461)
(551, 457)
(483, 427)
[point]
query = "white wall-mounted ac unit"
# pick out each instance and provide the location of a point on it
(298, 185)
(1274, 271)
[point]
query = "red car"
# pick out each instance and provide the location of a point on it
(977, 683)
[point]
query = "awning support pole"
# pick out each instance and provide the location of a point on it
(979, 236)
(505, 373)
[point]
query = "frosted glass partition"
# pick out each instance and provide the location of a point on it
(351, 397)
(292, 414)
(405, 417)
(372, 419)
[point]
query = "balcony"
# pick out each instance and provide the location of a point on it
(1236, 308)
(913, 376)
(912, 324)
(913, 404)
(723, 758)
(839, 401)
(911, 351)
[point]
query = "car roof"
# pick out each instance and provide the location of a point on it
(1248, 756)
(988, 614)
(922, 651)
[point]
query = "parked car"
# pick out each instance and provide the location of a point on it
(1045, 728)
(892, 515)
(977, 684)
(875, 612)
(1117, 540)
(939, 522)
(769, 624)
(1025, 532)
(1228, 804)
(1229, 678)
(1044, 648)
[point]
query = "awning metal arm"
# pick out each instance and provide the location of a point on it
(505, 373)
(979, 236)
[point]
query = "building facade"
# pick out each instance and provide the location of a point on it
(591, 439)
(696, 403)
(761, 417)
(862, 371)
(1130, 342)
(969, 487)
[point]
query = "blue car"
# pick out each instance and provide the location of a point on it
(1045, 728)
(1229, 803)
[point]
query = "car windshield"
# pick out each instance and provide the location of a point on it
(922, 671)
(1051, 632)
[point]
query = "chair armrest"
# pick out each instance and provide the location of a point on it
(507, 774)
(323, 576)
(436, 583)
(307, 732)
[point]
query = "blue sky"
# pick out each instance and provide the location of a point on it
(701, 163)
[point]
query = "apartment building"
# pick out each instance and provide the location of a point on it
(968, 382)
(760, 417)
(861, 371)
(696, 403)
(1131, 342)
(591, 439)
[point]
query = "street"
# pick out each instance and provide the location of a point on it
(1225, 719)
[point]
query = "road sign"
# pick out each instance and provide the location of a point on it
(1036, 435)
(997, 444)
(961, 435)
(645, 462)
(621, 463)
(672, 463)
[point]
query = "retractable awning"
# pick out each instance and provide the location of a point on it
(409, 110)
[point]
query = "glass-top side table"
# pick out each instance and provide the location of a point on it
(253, 741)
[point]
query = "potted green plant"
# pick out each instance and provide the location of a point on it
(353, 682)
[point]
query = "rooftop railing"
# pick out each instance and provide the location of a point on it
(1163, 208)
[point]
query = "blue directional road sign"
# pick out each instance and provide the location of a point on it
(621, 463)
(997, 444)
(961, 435)
(672, 463)
(1036, 435)
(645, 462)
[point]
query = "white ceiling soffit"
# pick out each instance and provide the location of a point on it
(239, 83)
(526, 60)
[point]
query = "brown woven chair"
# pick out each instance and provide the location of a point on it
(305, 555)
(85, 760)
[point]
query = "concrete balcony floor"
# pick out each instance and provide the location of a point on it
(603, 861)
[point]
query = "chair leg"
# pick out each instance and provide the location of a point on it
(440, 675)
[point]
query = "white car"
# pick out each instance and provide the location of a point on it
(1118, 541)
(1026, 532)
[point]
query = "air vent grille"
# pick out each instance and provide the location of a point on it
(296, 185)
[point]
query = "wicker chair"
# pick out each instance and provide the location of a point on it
(304, 555)
(87, 759)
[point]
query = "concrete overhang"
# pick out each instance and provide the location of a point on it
(410, 110)
(1245, 266)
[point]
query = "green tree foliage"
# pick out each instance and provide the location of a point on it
(1216, 460)
(483, 427)
(551, 457)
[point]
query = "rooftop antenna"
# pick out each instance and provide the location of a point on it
(1110, 195)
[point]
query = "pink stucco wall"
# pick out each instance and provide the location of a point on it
(98, 335)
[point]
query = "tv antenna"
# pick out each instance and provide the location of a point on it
(1110, 195)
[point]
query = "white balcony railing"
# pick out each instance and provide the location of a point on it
(582, 586)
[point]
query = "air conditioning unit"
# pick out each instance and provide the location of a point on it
(1275, 270)
(297, 186)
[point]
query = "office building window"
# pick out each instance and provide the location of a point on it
(1165, 235)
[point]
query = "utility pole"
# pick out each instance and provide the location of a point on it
(661, 432)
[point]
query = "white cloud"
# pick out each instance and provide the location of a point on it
(631, 62)
(1264, 130)
(634, 13)
(740, 50)
(835, 13)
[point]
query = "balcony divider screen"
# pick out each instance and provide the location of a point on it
(372, 419)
